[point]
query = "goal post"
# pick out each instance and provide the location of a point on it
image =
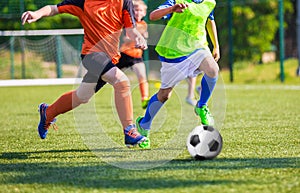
(52, 45)
(34, 54)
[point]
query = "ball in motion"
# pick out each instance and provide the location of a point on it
(204, 142)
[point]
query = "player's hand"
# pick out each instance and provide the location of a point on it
(139, 40)
(179, 8)
(29, 17)
(141, 43)
(216, 54)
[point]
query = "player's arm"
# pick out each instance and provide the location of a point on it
(159, 13)
(135, 36)
(130, 26)
(213, 34)
(146, 34)
(33, 16)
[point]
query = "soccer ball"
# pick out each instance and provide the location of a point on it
(204, 142)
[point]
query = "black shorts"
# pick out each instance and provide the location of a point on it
(128, 61)
(96, 64)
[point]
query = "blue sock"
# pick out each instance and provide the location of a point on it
(152, 109)
(207, 86)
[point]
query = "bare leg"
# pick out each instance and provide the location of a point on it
(123, 100)
(140, 71)
(190, 99)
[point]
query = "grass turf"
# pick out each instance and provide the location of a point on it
(261, 149)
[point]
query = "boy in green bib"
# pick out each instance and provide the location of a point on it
(183, 51)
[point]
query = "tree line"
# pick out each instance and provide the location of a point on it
(255, 24)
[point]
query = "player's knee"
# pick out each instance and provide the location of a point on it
(213, 71)
(122, 86)
(142, 81)
(142, 77)
(118, 78)
(123, 78)
(212, 67)
(82, 97)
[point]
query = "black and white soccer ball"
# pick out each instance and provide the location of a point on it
(204, 142)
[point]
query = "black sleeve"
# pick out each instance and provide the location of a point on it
(78, 3)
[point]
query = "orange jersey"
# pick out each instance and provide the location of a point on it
(128, 47)
(102, 22)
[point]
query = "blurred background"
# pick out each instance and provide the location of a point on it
(258, 40)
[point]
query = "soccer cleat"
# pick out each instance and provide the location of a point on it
(190, 101)
(43, 125)
(144, 132)
(145, 103)
(132, 136)
(205, 115)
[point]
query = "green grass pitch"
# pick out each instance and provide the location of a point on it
(261, 150)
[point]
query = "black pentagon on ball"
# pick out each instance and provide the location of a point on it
(213, 145)
(194, 140)
(208, 128)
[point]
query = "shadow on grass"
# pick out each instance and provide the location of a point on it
(28, 168)
(34, 154)
(240, 163)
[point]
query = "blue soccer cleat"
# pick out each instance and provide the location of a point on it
(132, 136)
(43, 125)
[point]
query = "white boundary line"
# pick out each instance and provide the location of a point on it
(73, 81)
(40, 82)
(263, 87)
(42, 32)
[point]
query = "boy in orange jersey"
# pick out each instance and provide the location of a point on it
(103, 22)
(131, 56)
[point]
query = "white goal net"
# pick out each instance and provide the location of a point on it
(40, 53)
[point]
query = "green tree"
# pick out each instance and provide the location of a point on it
(255, 27)
(11, 11)
(255, 23)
